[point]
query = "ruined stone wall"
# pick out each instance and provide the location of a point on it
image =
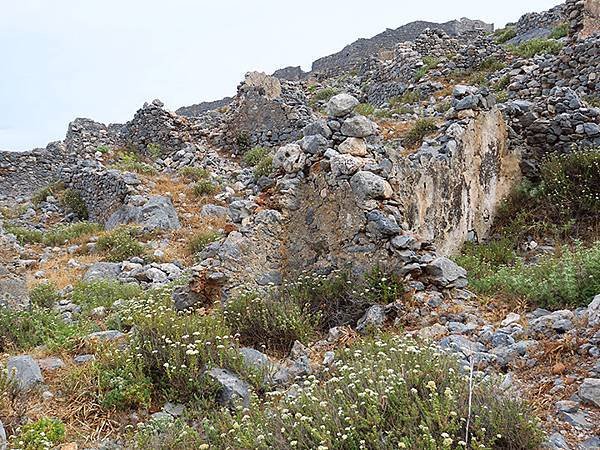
(102, 190)
(23, 173)
(450, 200)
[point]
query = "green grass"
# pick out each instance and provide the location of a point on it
(23, 330)
(59, 235)
(44, 295)
(204, 187)
(560, 31)
(194, 173)
(253, 156)
(365, 109)
(42, 434)
(504, 35)
(568, 279)
(91, 294)
(422, 127)
(384, 393)
(130, 162)
(536, 47)
(73, 201)
(199, 241)
(166, 434)
(409, 97)
(120, 244)
(53, 189)
(325, 94)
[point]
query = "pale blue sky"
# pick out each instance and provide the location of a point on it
(102, 59)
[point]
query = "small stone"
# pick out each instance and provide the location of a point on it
(25, 370)
(372, 319)
(589, 391)
(353, 146)
(341, 105)
(232, 388)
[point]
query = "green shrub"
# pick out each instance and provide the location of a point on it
(103, 149)
(502, 83)
(504, 35)
(199, 241)
(491, 64)
(166, 433)
(91, 294)
(59, 235)
(52, 189)
(366, 109)
(175, 349)
(537, 47)
(130, 162)
(154, 150)
(409, 97)
(560, 31)
(422, 127)
(572, 181)
(568, 279)
(120, 244)
(44, 295)
(43, 434)
(23, 330)
(73, 201)
(264, 168)
(122, 382)
(204, 187)
(593, 100)
(194, 173)
(252, 157)
(243, 141)
(265, 320)
(383, 393)
(323, 95)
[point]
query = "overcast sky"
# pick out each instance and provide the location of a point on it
(102, 59)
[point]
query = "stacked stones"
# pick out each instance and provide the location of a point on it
(86, 135)
(538, 25)
(266, 112)
(574, 12)
(22, 173)
(154, 125)
(102, 190)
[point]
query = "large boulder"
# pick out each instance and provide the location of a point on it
(341, 105)
(13, 293)
(358, 126)
(25, 371)
(290, 158)
(158, 213)
(102, 271)
(366, 185)
(444, 272)
(233, 389)
(589, 391)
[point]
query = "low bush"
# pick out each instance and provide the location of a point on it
(560, 31)
(194, 173)
(264, 168)
(122, 382)
(204, 187)
(422, 127)
(323, 95)
(166, 433)
(42, 434)
(491, 64)
(382, 393)
(568, 279)
(504, 35)
(264, 320)
(73, 201)
(44, 295)
(59, 235)
(175, 349)
(154, 150)
(199, 241)
(407, 98)
(242, 141)
(252, 157)
(53, 189)
(120, 244)
(91, 294)
(130, 162)
(366, 109)
(23, 330)
(534, 47)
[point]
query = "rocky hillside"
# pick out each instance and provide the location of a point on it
(399, 249)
